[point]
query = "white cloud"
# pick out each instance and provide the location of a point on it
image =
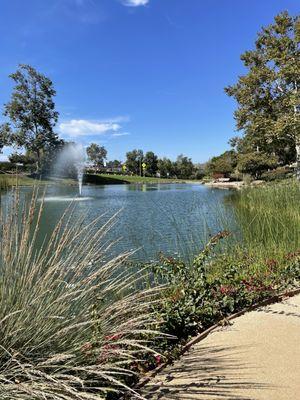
(120, 134)
(135, 3)
(83, 127)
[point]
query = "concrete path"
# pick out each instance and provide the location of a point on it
(255, 358)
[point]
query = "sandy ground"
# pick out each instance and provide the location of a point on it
(255, 358)
(233, 185)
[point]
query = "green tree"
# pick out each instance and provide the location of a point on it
(115, 164)
(134, 160)
(184, 167)
(166, 167)
(5, 136)
(255, 163)
(199, 171)
(97, 154)
(150, 160)
(25, 159)
(31, 113)
(268, 95)
(223, 164)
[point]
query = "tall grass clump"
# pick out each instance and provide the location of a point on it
(268, 218)
(4, 183)
(71, 323)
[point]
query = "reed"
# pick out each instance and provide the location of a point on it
(268, 218)
(4, 184)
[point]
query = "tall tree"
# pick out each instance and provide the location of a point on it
(268, 96)
(255, 163)
(184, 167)
(223, 164)
(31, 113)
(150, 160)
(166, 167)
(134, 160)
(97, 154)
(115, 164)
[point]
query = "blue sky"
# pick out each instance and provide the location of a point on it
(137, 73)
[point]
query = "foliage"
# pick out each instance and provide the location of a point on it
(134, 160)
(150, 159)
(72, 323)
(17, 158)
(166, 167)
(255, 163)
(5, 136)
(214, 286)
(96, 154)
(32, 115)
(223, 164)
(188, 304)
(268, 97)
(277, 174)
(199, 171)
(184, 167)
(115, 164)
(6, 166)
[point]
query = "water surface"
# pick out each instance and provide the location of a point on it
(153, 218)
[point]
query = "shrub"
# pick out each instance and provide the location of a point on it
(188, 303)
(277, 174)
(6, 166)
(214, 286)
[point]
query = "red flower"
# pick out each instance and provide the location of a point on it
(116, 336)
(157, 359)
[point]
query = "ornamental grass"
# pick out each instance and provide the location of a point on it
(73, 321)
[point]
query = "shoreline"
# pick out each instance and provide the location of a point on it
(233, 185)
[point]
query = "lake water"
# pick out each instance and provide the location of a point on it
(168, 218)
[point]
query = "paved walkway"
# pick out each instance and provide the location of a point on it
(255, 358)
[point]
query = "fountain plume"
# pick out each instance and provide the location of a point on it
(72, 159)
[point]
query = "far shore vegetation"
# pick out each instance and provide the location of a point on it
(77, 323)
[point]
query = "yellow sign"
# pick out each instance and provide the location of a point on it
(144, 165)
(124, 167)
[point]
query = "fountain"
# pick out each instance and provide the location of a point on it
(79, 168)
(71, 158)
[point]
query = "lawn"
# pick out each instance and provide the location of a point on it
(8, 180)
(126, 179)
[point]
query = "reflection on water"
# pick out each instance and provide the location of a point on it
(58, 199)
(168, 218)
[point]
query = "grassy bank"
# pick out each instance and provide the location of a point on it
(106, 179)
(10, 180)
(268, 218)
